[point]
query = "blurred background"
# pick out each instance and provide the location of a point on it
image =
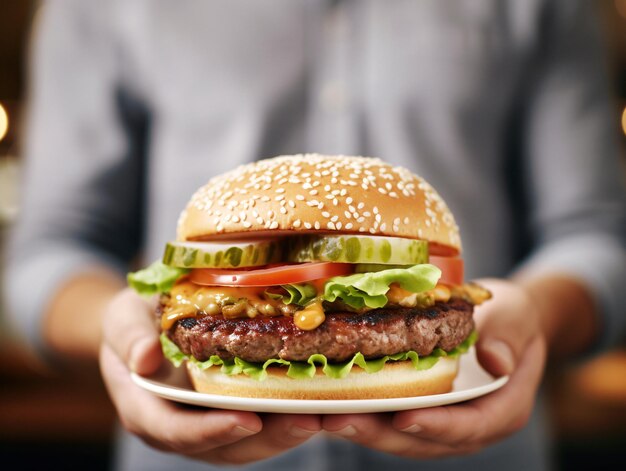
(51, 418)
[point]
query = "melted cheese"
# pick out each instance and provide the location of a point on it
(187, 299)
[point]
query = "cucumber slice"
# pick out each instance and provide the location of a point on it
(359, 249)
(221, 254)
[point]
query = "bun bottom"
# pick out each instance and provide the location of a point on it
(397, 379)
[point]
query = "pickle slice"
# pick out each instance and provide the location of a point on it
(359, 249)
(221, 254)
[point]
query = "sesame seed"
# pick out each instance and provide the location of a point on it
(349, 200)
(349, 226)
(297, 223)
(326, 214)
(317, 225)
(274, 225)
(300, 197)
(307, 225)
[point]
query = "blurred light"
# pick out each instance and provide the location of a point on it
(4, 122)
(620, 6)
(624, 121)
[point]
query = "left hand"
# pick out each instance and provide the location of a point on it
(511, 342)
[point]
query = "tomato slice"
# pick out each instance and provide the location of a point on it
(276, 275)
(451, 269)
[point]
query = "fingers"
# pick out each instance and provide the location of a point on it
(369, 430)
(165, 425)
(506, 323)
(376, 431)
(129, 329)
(485, 420)
(280, 433)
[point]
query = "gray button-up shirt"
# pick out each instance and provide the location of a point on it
(501, 105)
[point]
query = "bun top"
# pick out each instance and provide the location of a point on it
(317, 193)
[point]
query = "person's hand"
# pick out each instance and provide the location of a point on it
(511, 342)
(218, 436)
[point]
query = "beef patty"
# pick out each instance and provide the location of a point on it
(375, 333)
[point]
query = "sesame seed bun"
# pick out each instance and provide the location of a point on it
(317, 193)
(396, 379)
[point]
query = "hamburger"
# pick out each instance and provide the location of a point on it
(315, 277)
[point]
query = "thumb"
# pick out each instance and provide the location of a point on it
(129, 328)
(506, 324)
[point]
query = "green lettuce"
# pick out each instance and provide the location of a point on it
(306, 369)
(155, 279)
(369, 289)
(300, 294)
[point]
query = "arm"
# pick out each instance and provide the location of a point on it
(569, 292)
(80, 226)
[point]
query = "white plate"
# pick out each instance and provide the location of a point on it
(472, 382)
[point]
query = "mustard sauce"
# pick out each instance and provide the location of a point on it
(310, 317)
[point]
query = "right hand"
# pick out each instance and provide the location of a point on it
(218, 436)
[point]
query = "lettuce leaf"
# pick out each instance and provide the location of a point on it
(300, 294)
(155, 279)
(302, 370)
(368, 289)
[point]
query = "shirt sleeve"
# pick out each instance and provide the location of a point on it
(82, 184)
(574, 174)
